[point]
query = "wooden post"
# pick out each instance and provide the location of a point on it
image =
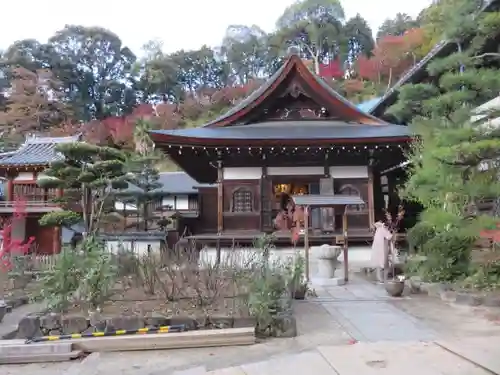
(220, 198)
(346, 246)
(371, 201)
(306, 240)
(10, 189)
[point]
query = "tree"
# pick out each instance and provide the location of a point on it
(90, 172)
(35, 103)
(359, 36)
(436, 20)
(315, 26)
(95, 69)
(156, 75)
(143, 174)
(244, 49)
(455, 160)
(397, 26)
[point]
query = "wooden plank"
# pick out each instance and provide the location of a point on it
(180, 340)
(479, 350)
(396, 358)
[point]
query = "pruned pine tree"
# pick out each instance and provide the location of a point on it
(89, 176)
(456, 153)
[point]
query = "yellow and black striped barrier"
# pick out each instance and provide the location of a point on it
(121, 332)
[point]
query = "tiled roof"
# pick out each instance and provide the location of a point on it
(291, 130)
(367, 105)
(178, 182)
(172, 183)
(36, 151)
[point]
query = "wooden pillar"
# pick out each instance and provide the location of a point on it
(220, 197)
(371, 200)
(10, 189)
(345, 245)
(306, 240)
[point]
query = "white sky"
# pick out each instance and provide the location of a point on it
(186, 24)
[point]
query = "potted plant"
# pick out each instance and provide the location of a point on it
(298, 283)
(394, 284)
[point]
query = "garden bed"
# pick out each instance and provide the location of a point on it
(147, 293)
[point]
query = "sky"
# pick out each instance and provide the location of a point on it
(184, 24)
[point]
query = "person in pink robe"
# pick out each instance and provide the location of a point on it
(380, 249)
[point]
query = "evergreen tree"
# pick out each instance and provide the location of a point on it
(455, 156)
(143, 174)
(89, 175)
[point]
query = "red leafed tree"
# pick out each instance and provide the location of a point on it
(11, 246)
(332, 70)
(368, 69)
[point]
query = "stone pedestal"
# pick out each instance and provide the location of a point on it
(327, 256)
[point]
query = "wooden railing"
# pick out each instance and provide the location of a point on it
(28, 204)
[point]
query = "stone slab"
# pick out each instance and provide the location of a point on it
(483, 352)
(228, 371)
(192, 371)
(335, 281)
(40, 358)
(409, 358)
(35, 349)
(303, 363)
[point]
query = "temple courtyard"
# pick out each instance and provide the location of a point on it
(350, 329)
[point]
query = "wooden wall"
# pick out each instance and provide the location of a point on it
(241, 220)
(358, 219)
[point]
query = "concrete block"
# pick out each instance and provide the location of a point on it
(40, 358)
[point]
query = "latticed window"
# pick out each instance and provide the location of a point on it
(242, 200)
(351, 190)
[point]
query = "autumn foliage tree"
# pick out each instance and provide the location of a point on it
(34, 104)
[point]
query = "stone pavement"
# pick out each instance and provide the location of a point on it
(365, 312)
(387, 329)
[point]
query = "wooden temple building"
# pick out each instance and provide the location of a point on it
(294, 135)
(23, 201)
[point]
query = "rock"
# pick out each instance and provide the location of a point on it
(468, 299)
(97, 322)
(29, 327)
(50, 321)
(415, 284)
(190, 324)
(129, 323)
(448, 296)
(155, 320)
(244, 322)
(435, 289)
(220, 322)
(3, 310)
(491, 301)
(285, 326)
(74, 324)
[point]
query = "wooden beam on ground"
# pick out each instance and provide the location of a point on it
(180, 340)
